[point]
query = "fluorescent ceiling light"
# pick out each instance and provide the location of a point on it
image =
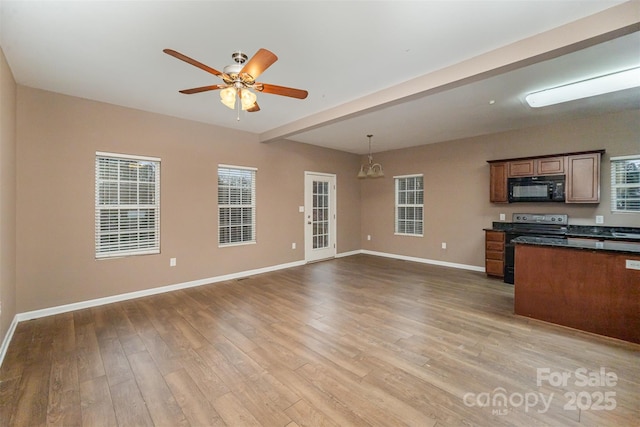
(597, 86)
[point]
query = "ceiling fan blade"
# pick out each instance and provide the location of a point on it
(202, 89)
(258, 63)
(254, 108)
(281, 90)
(191, 61)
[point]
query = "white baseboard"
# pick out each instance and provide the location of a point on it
(35, 314)
(7, 338)
(350, 253)
(153, 291)
(425, 261)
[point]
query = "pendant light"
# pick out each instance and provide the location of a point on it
(370, 170)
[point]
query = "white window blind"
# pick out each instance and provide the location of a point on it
(127, 200)
(409, 205)
(236, 205)
(625, 184)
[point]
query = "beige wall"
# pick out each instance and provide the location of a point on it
(57, 140)
(7, 196)
(59, 135)
(456, 179)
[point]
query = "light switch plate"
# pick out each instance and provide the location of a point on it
(300, 208)
(503, 217)
(599, 219)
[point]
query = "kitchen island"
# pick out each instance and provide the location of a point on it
(589, 285)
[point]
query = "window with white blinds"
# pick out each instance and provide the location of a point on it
(625, 184)
(236, 205)
(409, 205)
(127, 205)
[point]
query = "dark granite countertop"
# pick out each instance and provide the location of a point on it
(586, 231)
(608, 233)
(500, 226)
(593, 245)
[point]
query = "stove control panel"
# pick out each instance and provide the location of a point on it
(532, 218)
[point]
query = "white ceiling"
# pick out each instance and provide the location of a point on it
(340, 51)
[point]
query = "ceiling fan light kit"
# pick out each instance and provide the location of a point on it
(613, 82)
(370, 170)
(228, 97)
(247, 99)
(239, 79)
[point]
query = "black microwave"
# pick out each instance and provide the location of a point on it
(536, 189)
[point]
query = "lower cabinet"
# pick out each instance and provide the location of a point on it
(590, 290)
(494, 253)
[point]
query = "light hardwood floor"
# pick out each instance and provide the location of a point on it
(360, 340)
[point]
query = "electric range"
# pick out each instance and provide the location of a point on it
(530, 224)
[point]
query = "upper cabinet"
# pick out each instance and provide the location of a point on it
(498, 187)
(536, 167)
(582, 172)
(519, 168)
(550, 165)
(583, 178)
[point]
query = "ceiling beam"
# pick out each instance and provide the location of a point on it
(603, 26)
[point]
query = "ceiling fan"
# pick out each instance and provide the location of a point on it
(240, 78)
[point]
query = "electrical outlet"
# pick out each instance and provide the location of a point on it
(293, 245)
(503, 217)
(444, 245)
(599, 219)
(172, 262)
(368, 236)
(300, 208)
(633, 264)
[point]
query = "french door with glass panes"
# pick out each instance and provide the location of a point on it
(319, 216)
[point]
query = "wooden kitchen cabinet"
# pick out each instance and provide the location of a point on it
(517, 168)
(494, 253)
(535, 167)
(589, 290)
(550, 165)
(582, 172)
(583, 178)
(498, 192)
